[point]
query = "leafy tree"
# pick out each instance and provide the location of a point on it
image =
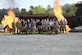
(39, 10)
(31, 7)
(72, 9)
(48, 7)
(79, 2)
(69, 9)
(49, 10)
(23, 11)
(16, 10)
(30, 11)
(2, 12)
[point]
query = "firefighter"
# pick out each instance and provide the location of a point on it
(56, 26)
(63, 24)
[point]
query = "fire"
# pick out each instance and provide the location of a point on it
(9, 19)
(58, 13)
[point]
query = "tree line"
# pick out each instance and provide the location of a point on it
(68, 9)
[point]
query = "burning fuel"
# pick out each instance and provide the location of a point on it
(8, 20)
(58, 13)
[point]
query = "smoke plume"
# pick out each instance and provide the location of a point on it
(10, 3)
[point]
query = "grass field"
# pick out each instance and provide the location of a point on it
(0, 27)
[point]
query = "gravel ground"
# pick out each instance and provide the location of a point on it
(61, 44)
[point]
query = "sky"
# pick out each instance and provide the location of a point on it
(27, 3)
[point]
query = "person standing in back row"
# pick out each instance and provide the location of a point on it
(64, 25)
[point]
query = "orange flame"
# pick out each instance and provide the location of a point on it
(9, 18)
(11, 13)
(58, 13)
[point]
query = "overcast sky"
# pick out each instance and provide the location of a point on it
(27, 3)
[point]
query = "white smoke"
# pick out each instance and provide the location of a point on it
(9, 3)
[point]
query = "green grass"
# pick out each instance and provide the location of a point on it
(0, 26)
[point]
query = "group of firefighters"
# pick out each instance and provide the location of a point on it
(43, 25)
(12, 24)
(39, 26)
